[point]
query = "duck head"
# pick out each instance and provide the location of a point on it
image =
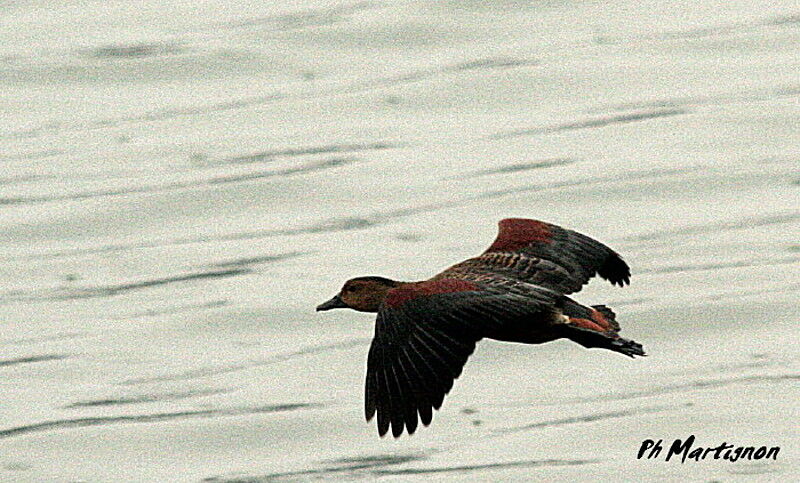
(364, 294)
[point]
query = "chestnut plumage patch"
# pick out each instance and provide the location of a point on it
(404, 293)
(586, 324)
(516, 233)
(600, 319)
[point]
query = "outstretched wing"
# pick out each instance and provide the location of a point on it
(543, 254)
(424, 334)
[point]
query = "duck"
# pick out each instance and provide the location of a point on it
(517, 290)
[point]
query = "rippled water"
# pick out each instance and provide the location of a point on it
(182, 183)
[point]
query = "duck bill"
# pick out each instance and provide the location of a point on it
(334, 303)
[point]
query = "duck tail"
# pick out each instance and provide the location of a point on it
(596, 326)
(604, 340)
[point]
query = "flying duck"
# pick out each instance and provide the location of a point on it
(515, 291)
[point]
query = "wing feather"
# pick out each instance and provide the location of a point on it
(414, 395)
(422, 342)
(384, 406)
(396, 398)
(543, 254)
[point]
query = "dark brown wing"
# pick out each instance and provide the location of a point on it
(546, 255)
(424, 334)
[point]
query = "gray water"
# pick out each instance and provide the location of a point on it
(181, 183)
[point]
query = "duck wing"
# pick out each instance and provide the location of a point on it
(424, 333)
(543, 254)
